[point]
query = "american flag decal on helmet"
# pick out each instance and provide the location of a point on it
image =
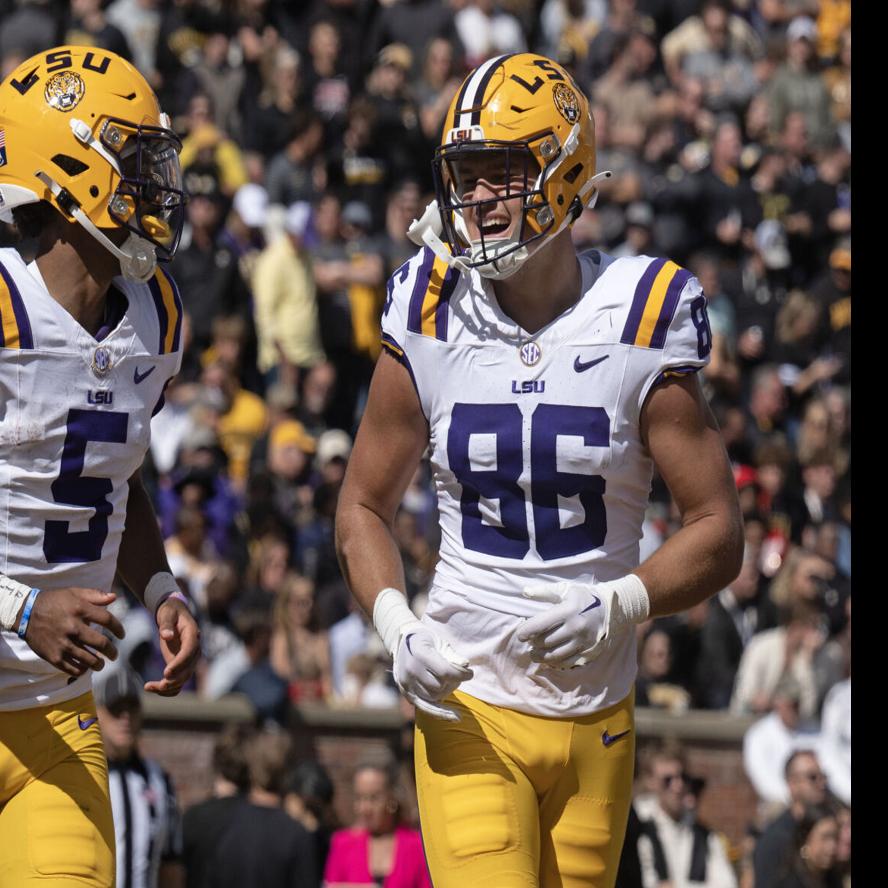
(2, 147)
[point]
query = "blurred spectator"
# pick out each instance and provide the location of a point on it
(814, 857)
(327, 87)
(221, 80)
(436, 89)
(622, 17)
(269, 119)
(266, 690)
(378, 848)
(835, 740)
(295, 173)
(833, 291)
(263, 847)
(210, 146)
(308, 799)
(87, 25)
(719, 49)
(797, 85)
(244, 232)
(190, 553)
(147, 825)
(716, 29)
(771, 741)
(266, 573)
(788, 650)
(674, 848)
(402, 207)
(639, 230)
(26, 29)
(487, 30)
(627, 91)
(300, 650)
(205, 823)
(205, 267)
(242, 417)
(286, 310)
(413, 23)
(838, 81)
(654, 665)
(733, 618)
(352, 635)
(218, 636)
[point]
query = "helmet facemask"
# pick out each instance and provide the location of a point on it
(150, 198)
(510, 172)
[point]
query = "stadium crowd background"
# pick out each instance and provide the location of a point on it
(308, 130)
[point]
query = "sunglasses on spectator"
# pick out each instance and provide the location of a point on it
(667, 779)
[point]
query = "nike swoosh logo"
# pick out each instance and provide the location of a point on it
(610, 739)
(83, 724)
(596, 603)
(580, 366)
(139, 377)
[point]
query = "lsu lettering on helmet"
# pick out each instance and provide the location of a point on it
(81, 129)
(524, 115)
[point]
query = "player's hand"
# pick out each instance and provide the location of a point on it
(427, 669)
(572, 632)
(179, 644)
(59, 630)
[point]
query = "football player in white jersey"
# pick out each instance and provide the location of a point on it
(89, 338)
(547, 386)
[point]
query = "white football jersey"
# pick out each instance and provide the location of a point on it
(75, 416)
(540, 471)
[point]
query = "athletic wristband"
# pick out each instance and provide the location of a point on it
(12, 595)
(26, 613)
(391, 614)
(631, 602)
(161, 586)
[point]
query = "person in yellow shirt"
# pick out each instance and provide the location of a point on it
(285, 301)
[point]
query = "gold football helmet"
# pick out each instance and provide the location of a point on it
(81, 129)
(524, 114)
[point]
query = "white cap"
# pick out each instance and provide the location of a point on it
(770, 241)
(801, 28)
(296, 220)
(333, 443)
(251, 204)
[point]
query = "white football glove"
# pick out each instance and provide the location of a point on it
(426, 668)
(582, 619)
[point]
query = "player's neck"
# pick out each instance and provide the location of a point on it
(545, 286)
(77, 272)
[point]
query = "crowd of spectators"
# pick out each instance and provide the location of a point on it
(308, 130)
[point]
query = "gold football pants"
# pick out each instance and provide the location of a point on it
(56, 829)
(509, 800)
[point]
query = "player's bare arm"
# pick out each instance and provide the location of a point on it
(705, 555)
(142, 564)
(391, 439)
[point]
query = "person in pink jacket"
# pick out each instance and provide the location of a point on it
(378, 849)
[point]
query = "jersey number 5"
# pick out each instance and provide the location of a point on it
(548, 485)
(75, 489)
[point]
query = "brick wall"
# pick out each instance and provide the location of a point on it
(338, 740)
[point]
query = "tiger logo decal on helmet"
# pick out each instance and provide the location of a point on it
(109, 160)
(527, 114)
(64, 90)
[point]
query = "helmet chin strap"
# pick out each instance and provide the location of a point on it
(137, 257)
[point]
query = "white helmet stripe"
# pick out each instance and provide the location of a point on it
(473, 88)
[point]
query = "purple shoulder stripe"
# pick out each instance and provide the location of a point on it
(420, 285)
(670, 303)
(26, 339)
(639, 301)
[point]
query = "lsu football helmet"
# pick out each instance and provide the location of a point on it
(524, 114)
(81, 129)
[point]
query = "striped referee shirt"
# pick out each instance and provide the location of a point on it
(147, 824)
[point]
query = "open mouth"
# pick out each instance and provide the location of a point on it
(495, 227)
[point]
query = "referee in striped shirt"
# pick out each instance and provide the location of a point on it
(147, 822)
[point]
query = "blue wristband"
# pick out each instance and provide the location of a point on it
(26, 613)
